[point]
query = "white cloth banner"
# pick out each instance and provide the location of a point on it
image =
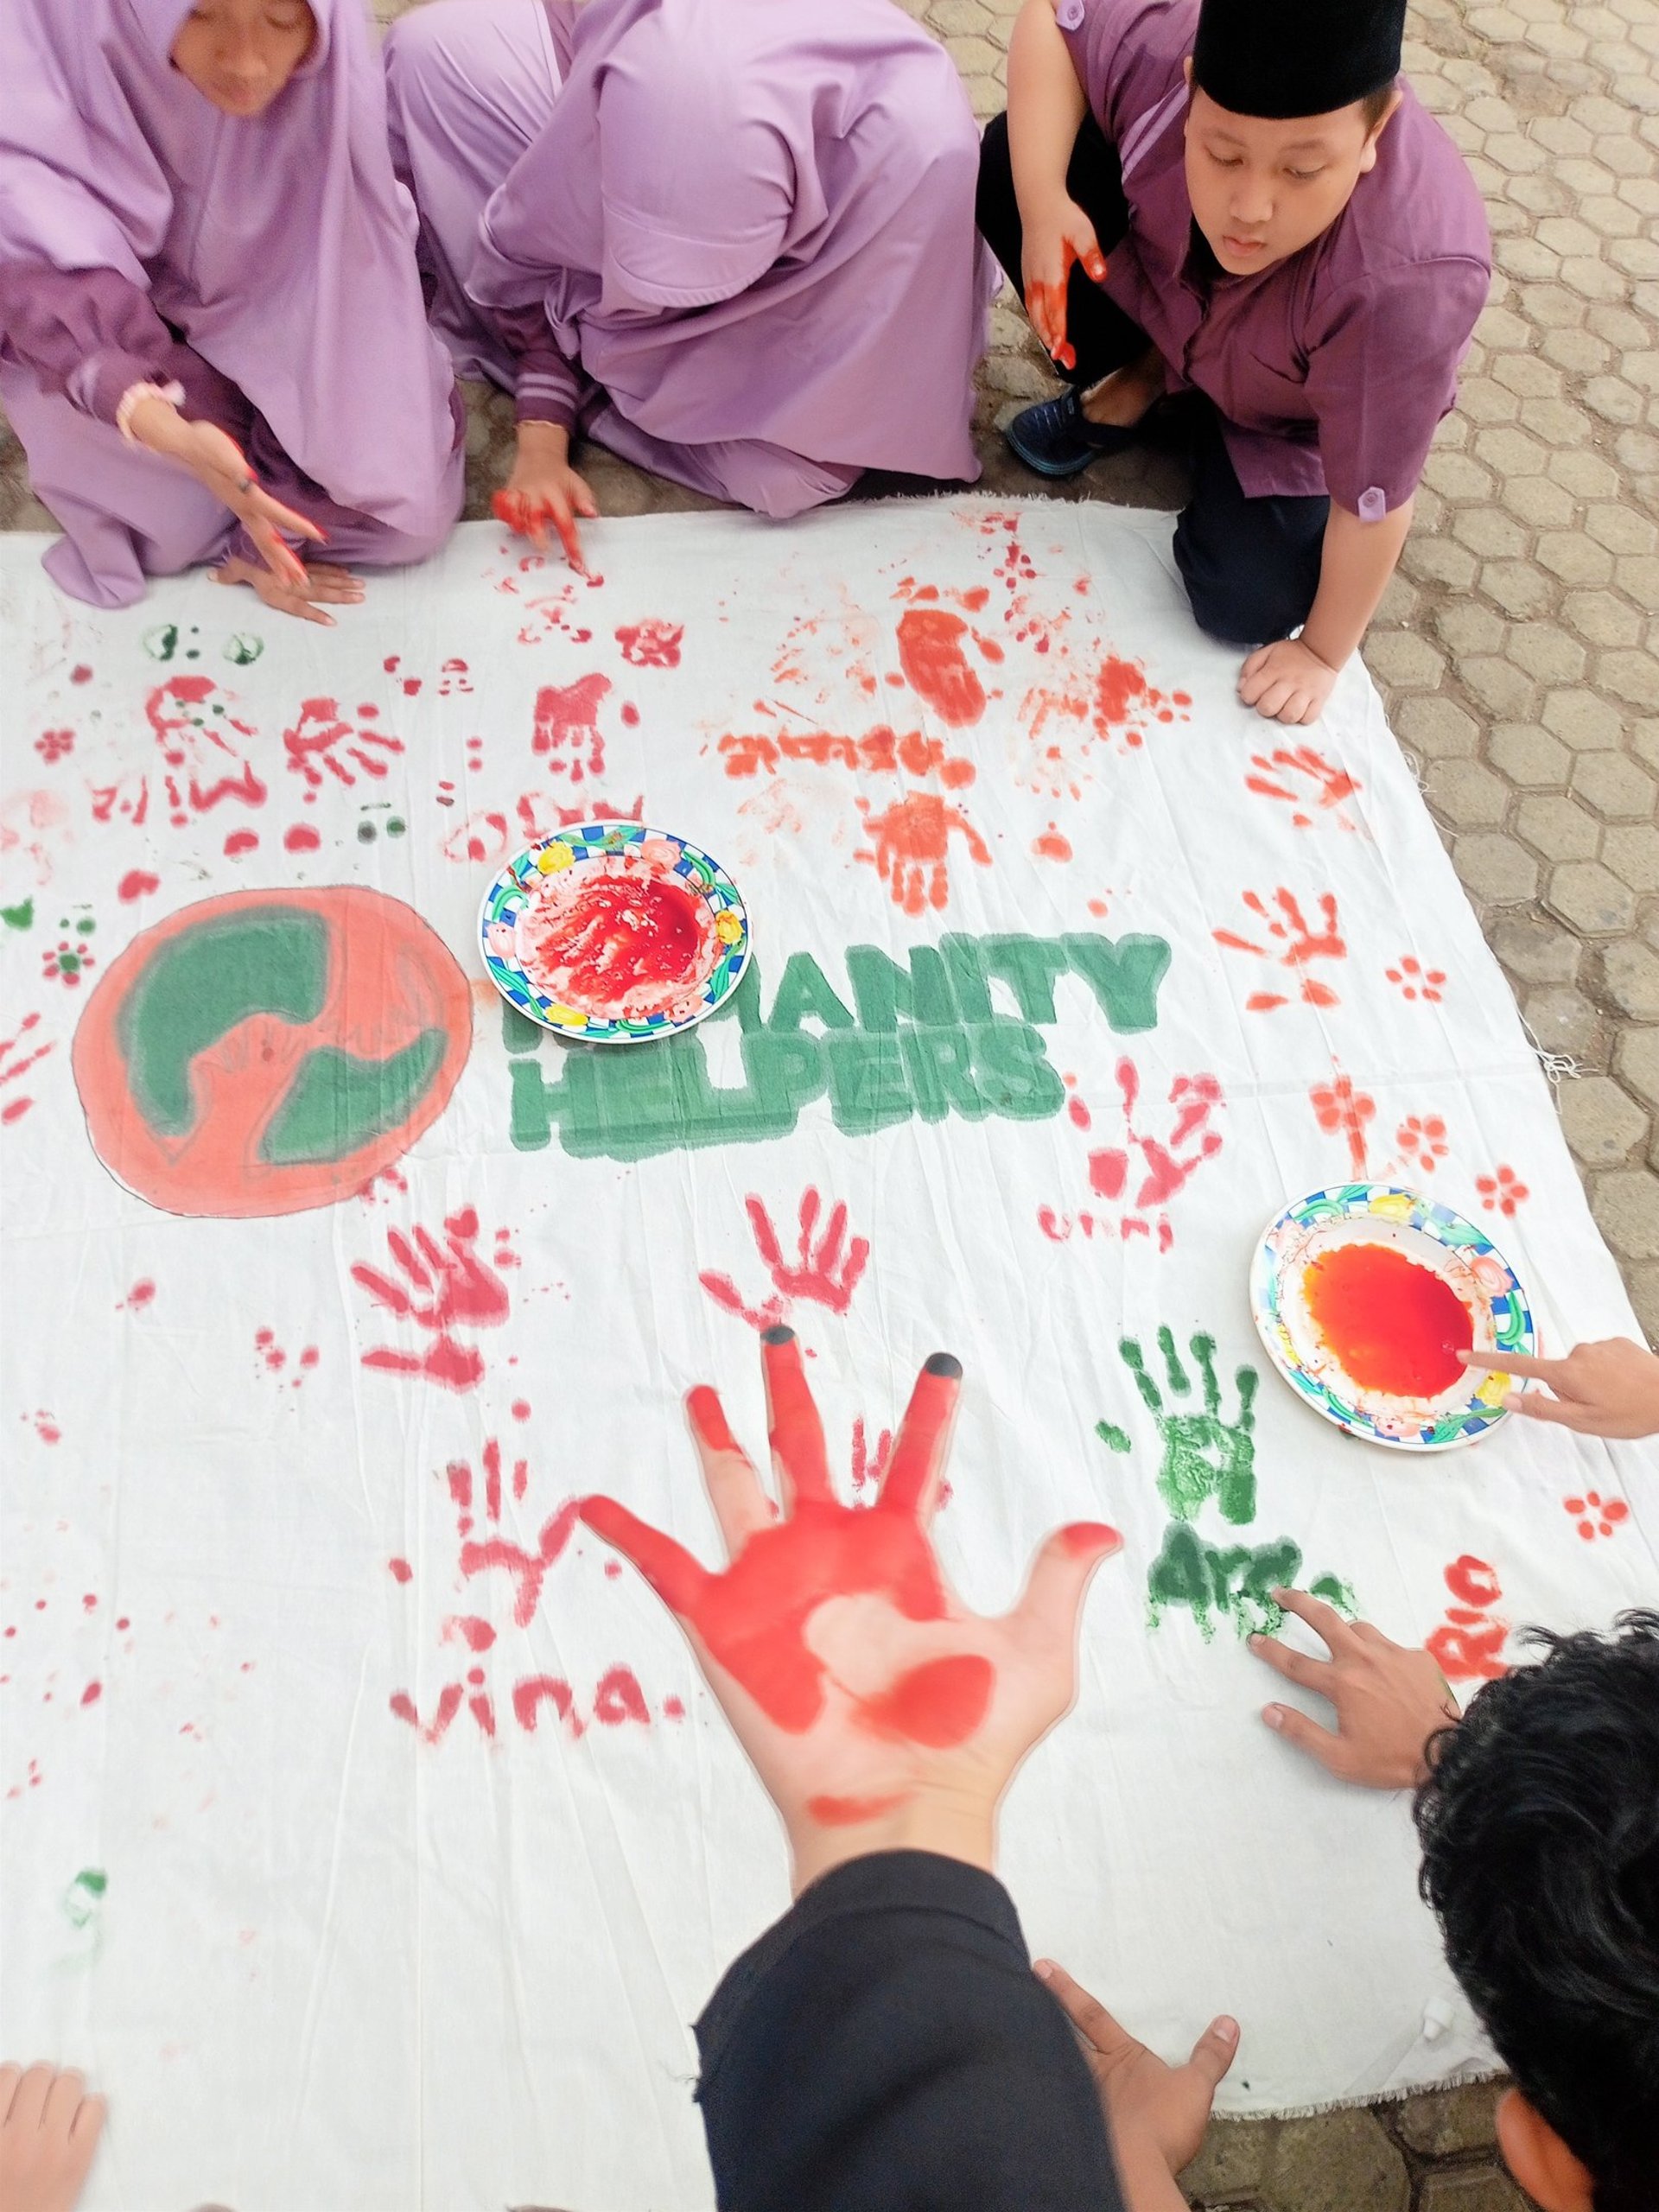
(368, 1834)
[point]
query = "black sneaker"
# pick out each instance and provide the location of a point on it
(1056, 437)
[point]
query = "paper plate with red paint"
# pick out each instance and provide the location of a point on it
(614, 933)
(1365, 1293)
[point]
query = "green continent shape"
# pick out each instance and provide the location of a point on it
(198, 985)
(336, 1103)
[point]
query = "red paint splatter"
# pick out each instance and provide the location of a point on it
(652, 645)
(81, 673)
(1166, 1164)
(673, 1709)
(241, 841)
(566, 726)
(850, 1812)
(936, 667)
(92, 1694)
(1338, 1105)
(137, 883)
(827, 1268)
(1596, 1516)
(301, 838)
(13, 1063)
(137, 1298)
(1394, 1324)
(1051, 845)
(400, 1569)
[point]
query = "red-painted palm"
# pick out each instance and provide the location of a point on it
(876, 1707)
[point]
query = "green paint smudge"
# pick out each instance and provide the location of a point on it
(1236, 1582)
(19, 917)
(396, 827)
(162, 642)
(1338, 1594)
(80, 1899)
(242, 646)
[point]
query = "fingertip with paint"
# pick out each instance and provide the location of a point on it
(778, 1333)
(943, 1362)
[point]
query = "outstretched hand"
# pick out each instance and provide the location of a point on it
(49, 2134)
(1153, 2112)
(219, 464)
(879, 1711)
(1051, 246)
(543, 488)
(1390, 1698)
(1610, 1388)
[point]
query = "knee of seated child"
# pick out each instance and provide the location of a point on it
(419, 48)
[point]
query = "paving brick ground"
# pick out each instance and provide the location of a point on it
(1518, 653)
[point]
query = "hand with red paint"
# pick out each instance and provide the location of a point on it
(1390, 1699)
(1155, 2113)
(49, 2134)
(543, 488)
(1285, 682)
(1060, 236)
(1610, 1388)
(879, 1711)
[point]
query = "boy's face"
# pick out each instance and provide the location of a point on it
(240, 54)
(1263, 189)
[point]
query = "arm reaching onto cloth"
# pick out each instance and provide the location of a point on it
(886, 2044)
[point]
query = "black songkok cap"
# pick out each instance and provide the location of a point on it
(1283, 58)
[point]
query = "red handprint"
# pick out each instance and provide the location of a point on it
(1295, 944)
(853, 1674)
(566, 726)
(911, 843)
(823, 1273)
(443, 1285)
(1277, 773)
(322, 742)
(936, 667)
(1166, 1164)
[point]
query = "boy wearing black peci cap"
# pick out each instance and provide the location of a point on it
(1291, 237)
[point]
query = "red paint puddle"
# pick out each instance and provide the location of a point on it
(1051, 845)
(240, 841)
(1392, 1324)
(617, 937)
(137, 883)
(92, 1694)
(301, 838)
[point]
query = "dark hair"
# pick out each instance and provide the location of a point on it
(1540, 1829)
(1374, 105)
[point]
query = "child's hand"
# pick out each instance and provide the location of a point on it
(1150, 2107)
(219, 464)
(543, 488)
(1610, 1388)
(1390, 1699)
(1285, 683)
(1051, 244)
(48, 2132)
(879, 1711)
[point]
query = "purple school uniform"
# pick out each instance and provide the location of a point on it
(749, 224)
(282, 248)
(1331, 369)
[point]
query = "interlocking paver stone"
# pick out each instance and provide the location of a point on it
(1563, 1020)
(1484, 2189)
(1604, 1125)
(1530, 758)
(1535, 947)
(1615, 787)
(1495, 869)
(1582, 720)
(1558, 829)
(1590, 898)
(1442, 2120)
(1636, 1063)
(1333, 2163)
(1625, 1203)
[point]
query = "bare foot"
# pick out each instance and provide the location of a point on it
(48, 2131)
(323, 584)
(1123, 398)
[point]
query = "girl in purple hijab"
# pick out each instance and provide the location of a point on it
(212, 339)
(733, 241)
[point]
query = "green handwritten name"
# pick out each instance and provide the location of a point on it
(925, 1041)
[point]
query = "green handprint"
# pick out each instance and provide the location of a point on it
(1204, 1457)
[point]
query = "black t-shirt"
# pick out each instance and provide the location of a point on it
(887, 2048)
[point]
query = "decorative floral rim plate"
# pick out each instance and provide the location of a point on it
(1462, 1255)
(510, 893)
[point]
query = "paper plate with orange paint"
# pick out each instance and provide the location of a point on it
(1365, 1293)
(614, 933)
(270, 1050)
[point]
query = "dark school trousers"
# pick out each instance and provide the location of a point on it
(1251, 567)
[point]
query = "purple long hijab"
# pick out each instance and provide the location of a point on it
(755, 219)
(280, 245)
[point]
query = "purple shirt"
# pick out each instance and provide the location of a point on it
(1331, 369)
